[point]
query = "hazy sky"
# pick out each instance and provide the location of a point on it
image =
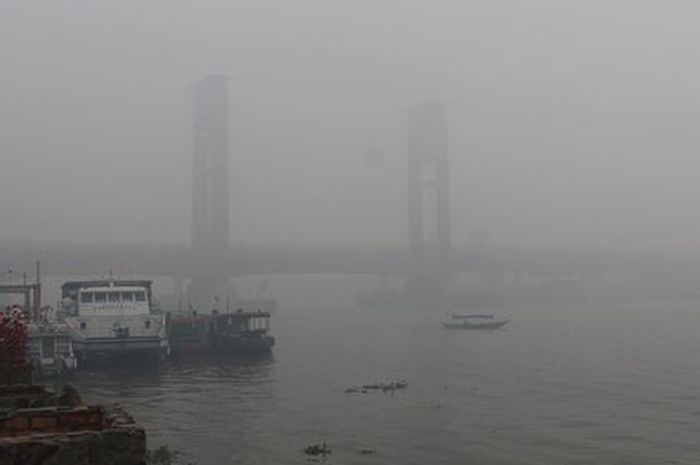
(572, 121)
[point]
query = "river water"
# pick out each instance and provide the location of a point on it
(559, 384)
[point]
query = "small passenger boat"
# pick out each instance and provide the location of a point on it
(473, 321)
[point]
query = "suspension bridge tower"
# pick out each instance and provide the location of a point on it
(210, 191)
(429, 233)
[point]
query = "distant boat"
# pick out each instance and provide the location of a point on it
(473, 321)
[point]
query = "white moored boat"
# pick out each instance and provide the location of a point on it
(110, 319)
(51, 348)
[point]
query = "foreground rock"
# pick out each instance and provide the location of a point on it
(39, 426)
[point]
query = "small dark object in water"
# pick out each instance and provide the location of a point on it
(394, 385)
(476, 321)
(317, 449)
(384, 387)
(368, 451)
(355, 390)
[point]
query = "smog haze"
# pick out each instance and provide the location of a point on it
(570, 122)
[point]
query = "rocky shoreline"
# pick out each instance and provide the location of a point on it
(44, 426)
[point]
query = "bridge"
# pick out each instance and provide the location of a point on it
(428, 256)
(209, 258)
(182, 261)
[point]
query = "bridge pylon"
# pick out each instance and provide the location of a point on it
(210, 192)
(429, 228)
(428, 179)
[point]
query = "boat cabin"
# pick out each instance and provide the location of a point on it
(95, 301)
(108, 298)
(241, 322)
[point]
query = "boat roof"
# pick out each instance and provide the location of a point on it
(180, 317)
(112, 288)
(72, 288)
(242, 314)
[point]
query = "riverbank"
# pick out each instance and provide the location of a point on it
(44, 426)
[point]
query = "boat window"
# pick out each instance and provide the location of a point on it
(127, 296)
(140, 296)
(100, 297)
(114, 297)
(86, 297)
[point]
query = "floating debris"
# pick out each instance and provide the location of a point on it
(368, 451)
(317, 449)
(384, 387)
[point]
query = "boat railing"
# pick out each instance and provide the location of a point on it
(238, 322)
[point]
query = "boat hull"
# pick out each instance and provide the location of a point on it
(242, 345)
(137, 338)
(98, 352)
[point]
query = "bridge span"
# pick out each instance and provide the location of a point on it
(182, 261)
